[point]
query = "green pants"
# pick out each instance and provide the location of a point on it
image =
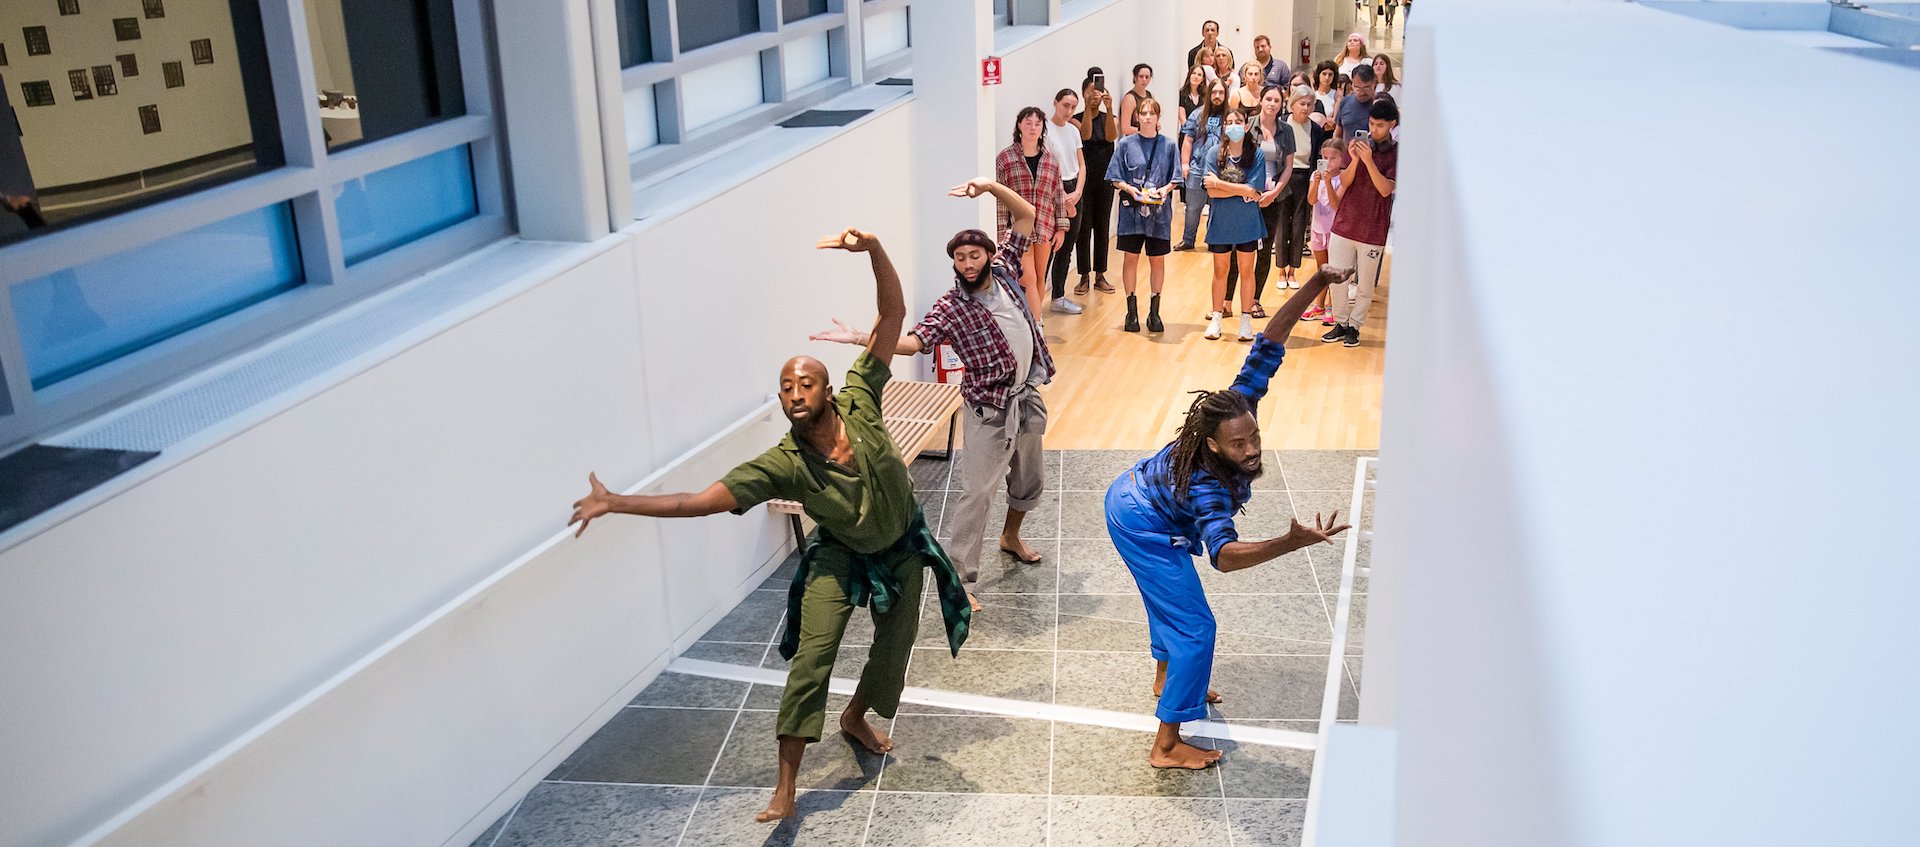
(824, 610)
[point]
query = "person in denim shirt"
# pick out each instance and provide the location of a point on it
(1200, 138)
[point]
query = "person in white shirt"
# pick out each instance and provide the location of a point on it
(1389, 82)
(1063, 141)
(1354, 54)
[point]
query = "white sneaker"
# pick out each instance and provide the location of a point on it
(1246, 327)
(1293, 283)
(1213, 326)
(1067, 307)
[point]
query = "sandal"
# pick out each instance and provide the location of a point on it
(1101, 284)
(1258, 311)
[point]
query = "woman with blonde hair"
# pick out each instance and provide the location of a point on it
(1354, 54)
(1253, 81)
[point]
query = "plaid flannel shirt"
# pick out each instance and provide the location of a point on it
(959, 319)
(1045, 190)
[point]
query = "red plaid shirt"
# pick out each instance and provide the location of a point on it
(959, 319)
(1044, 190)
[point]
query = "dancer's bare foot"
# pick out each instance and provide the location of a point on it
(1182, 755)
(781, 806)
(1017, 548)
(869, 736)
(973, 601)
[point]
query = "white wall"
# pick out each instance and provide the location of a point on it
(1115, 38)
(1645, 579)
(79, 141)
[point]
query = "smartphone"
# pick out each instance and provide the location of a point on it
(1364, 137)
(1100, 82)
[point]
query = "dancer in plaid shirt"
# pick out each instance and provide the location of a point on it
(986, 319)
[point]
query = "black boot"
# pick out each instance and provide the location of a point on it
(1153, 316)
(1133, 313)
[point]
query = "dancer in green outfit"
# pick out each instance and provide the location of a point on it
(873, 542)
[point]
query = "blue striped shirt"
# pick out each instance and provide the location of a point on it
(1205, 521)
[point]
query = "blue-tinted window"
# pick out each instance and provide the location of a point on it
(709, 22)
(386, 209)
(794, 10)
(82, 317)
(636, 32)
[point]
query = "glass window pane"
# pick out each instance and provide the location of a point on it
(794, 10)
(806, 61)
(82, 151)
(884, 33)
(708, 22)
(636, 32)
(721, 91)
(385, 209)
(643, 119)
(383, 67)
(84, 316)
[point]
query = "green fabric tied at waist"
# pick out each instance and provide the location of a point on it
(871, 581)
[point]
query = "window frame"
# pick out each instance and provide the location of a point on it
(307, 181)
(847, 68)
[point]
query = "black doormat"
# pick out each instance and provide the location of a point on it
(40, 477)
(824, 117)
(894, 80)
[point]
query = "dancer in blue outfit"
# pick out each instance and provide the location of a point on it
(1180, 503)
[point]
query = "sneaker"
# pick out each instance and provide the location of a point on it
(1338, 333)
(1311, 313)
(1246, 327)
(1184, 246)
(1353, 336)
(1066, 307)
(1293, 282)
(1213, 326)
(1326, 319)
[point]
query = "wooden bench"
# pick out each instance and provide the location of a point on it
(913, 412)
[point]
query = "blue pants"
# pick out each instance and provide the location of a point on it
(1196, 198)
(1180, 627)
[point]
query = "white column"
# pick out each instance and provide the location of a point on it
(952, 135)
(553, 126)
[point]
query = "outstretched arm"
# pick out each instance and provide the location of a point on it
(884, 341)
(1238, 555)
(599, 501)
(1019, 211)
(1289, 314)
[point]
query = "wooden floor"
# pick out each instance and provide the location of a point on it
(1128, 391)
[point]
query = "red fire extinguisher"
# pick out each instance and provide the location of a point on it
(1306, 52)
(946, 364)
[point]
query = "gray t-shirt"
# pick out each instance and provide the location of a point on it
(1013, 325)
(1353, 116)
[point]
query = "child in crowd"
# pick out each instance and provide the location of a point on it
(1325, 189)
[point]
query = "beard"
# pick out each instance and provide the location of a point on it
(1233, 473)
(979, 280)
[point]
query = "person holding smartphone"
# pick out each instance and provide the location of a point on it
(1360, 226)
(1099, 129)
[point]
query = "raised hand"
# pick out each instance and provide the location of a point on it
(851, 240)
(840, 334)
(971, 188)
(1320, 531)
(597, 502)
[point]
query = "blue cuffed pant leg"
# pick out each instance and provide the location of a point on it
(1180, 624)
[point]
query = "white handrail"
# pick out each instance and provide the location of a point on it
(1336, 659)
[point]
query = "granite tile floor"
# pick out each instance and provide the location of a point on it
(691, 759)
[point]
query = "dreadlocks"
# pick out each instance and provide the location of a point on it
(1210, 409)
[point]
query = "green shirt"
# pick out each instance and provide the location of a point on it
(866, 507)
